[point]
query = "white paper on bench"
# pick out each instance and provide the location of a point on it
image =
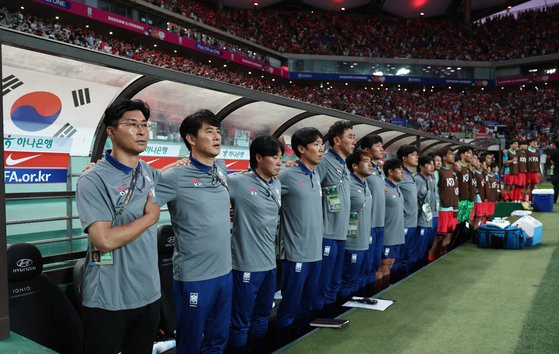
(381, 305)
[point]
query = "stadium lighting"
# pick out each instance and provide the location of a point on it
(224, 65)
(378, 73)
(58, 18)
(155, 45)
(86, 26)
(422, 14)
(273, 79)
(551, 71)
(209, 61)
(255, 4)
(458, 68)
(402, 71)
(174, 51)
(21, 7)
(250, 72)
(343, 8)
(111, 33)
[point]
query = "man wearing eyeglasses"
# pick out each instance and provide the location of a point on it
(256, 200)
(198, 201)
(116, 204)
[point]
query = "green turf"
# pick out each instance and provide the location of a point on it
(16, 344)
(471, 301)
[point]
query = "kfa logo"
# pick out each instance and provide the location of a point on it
(456, 191)
(474, 182)
(171, 240)
(354, 258)
(523, 159)
(465, 178)
(450, 182)
(246, 277)
(326, 251)
(298, 267)
(197, 182)
(193, 299)
(24, 263)
(533, 159)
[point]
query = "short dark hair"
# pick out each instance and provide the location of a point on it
(443, 151)
(337, 130)
(391, 165)
(404, 151)
(464, 149)
(303, 137)
(265, 145)
(193, 123)
(484, 155)
(532, 139)
(369, 140)
(120, 106)
(425, 160)
(354, 158)
(512, 141)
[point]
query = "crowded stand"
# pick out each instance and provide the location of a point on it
(441, 112)
(327, 33)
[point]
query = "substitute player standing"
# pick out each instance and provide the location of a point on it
(533, 166)
(448, 194)
(510, 160)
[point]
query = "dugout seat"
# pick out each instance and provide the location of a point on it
(39, 310)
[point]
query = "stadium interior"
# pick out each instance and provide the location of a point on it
(431, 74)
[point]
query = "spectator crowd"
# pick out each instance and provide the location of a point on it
(441, 112)
(511, 36)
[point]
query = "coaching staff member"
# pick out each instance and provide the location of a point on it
(256, 200)
(198, 201)
(117, 209)
(300, 234)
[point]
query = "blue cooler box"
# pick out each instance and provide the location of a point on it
(533, 229)
(542, 199)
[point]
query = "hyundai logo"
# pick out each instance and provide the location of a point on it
(24, 263)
